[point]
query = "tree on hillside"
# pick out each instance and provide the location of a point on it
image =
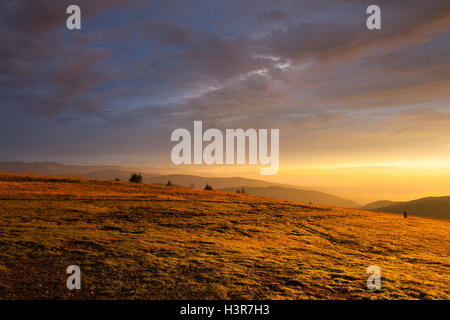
(136, 178)
(208, 187)
(169, 183)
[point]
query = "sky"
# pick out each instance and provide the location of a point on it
(356, 108)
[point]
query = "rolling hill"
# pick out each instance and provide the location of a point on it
(436, 207)
(123, 173)
(185, 180)
(298, 195)
(232, 183)
(144, 241)
(378, 204)
(49, 168)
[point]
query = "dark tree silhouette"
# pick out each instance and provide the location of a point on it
(208, 187)
(136, 178)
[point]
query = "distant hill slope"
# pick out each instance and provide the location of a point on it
(378, 204)
(297, 195)
(185, 180)
(436, 207)
(49, 168)
(145, 241)
(101, 172)
(111, 172)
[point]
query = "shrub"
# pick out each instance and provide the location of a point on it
(136, 178)
(117, 179)
(208, 187)
(169, 183)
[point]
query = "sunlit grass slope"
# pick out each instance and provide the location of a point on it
(157, 242)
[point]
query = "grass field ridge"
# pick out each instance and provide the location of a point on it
(144, 241)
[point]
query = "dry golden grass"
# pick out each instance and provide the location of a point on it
(155, 242)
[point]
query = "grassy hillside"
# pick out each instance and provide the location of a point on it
(157, 242)
(111, 172)
(292, 193)
(435, 207)
(378, 204)
(297, 195)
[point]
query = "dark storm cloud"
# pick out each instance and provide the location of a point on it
(256, 63)
(44, 68)
(188, 56)
(273, 15)
(404, 23)
(241, 103)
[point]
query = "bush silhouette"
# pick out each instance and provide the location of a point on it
(169, 183)
(136, 178)
(208, 187)
(117, 179)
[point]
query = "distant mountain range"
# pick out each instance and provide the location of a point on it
(435, 207)
(252, 186)
(298, 195)
(50, 168)
(379, 204)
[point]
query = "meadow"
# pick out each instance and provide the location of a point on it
(144, 241)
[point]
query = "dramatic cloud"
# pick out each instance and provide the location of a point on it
(139, 69)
